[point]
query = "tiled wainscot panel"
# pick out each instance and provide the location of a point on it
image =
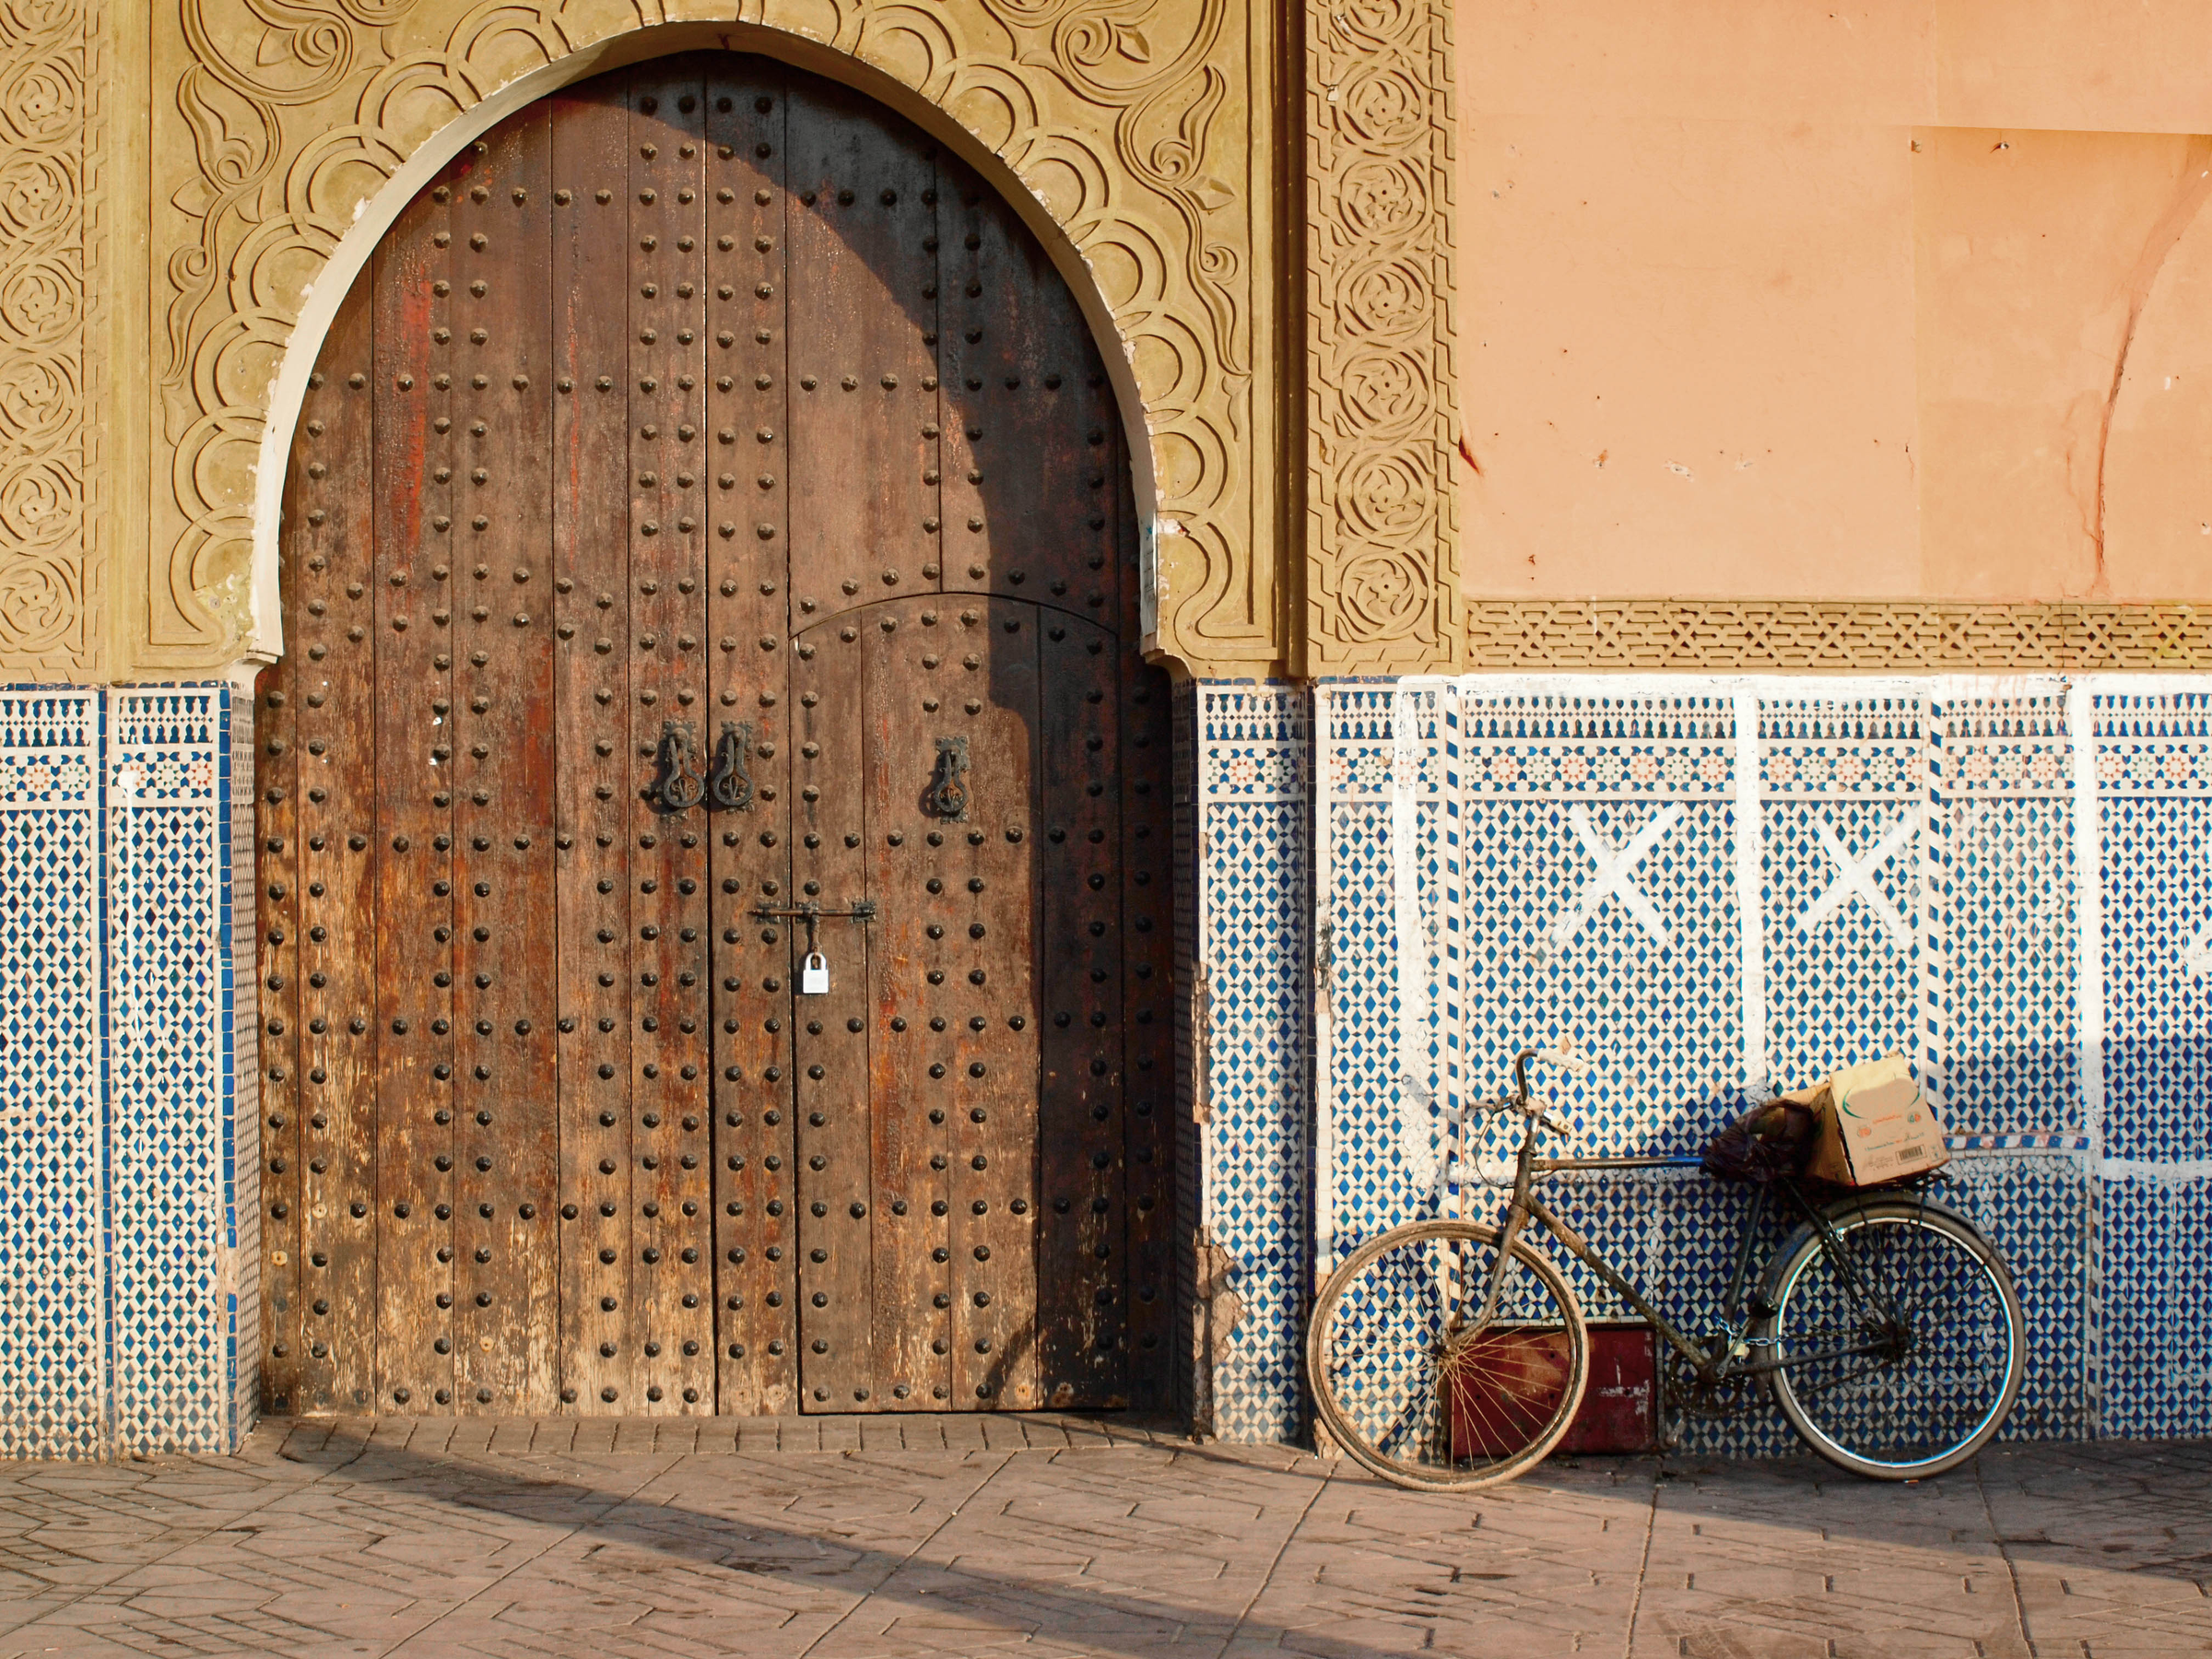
(1722, 887)
(1255, 896)
(53, 1177)
(126, 1154)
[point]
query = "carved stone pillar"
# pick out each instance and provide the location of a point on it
(1381, 557)
(51, 165)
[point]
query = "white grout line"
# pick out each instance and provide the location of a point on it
(1750, 903)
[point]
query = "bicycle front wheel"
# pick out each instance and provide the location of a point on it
(1901, 1346)
(1417, 1385)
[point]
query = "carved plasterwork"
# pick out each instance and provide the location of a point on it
(52, 624)
(1840, 636)
(1382, 584)
(1141, 127)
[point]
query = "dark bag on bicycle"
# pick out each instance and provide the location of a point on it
(1765, 1143)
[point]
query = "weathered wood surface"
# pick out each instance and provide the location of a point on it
(671, 1046)
(656, 410)
(334, 665)
(411, 300)
(748, 620)
(506, 1104)
(598, 773)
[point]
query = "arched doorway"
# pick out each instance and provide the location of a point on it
(709, 509)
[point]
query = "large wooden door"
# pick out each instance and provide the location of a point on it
(707, 544)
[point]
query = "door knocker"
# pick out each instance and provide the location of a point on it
(946, 796)
(730, 779)
(678, 788)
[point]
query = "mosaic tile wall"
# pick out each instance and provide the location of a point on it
(121, 1259)
(53, 1173)
(1717, 886)
(1722, 886)
(1252, 816)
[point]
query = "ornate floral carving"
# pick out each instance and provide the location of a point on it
(1832, 636)
(1382, 556)
(50, 619)
(1131, 121)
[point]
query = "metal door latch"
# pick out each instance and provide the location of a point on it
(863, 911)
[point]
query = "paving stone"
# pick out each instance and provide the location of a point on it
(1054, 1536)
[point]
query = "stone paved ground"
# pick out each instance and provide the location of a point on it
(928, 1537)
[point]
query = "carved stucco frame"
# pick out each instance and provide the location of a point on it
(1136, 137)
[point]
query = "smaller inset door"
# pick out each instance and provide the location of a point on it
(962, 1233)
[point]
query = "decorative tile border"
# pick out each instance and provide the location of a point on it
(1832, 636)
(126, 1157)
(1252, 893)
(54, 1146)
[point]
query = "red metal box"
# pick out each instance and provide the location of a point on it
(1521, 1374)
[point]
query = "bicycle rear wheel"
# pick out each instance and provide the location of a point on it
(1417, 1387)
(1900, 1349)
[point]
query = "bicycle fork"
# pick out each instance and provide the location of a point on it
(1516, 1221)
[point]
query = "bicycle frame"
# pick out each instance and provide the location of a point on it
(1524, 1206)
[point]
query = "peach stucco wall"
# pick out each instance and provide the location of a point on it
(1775, 299)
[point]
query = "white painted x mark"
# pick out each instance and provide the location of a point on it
(2196, 956)
(1614, 866)
(1854, 880)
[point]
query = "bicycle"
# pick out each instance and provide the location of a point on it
(1451, 1354)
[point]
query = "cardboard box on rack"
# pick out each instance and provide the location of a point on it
(1876, 1125)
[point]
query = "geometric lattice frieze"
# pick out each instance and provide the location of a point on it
(1832, 636)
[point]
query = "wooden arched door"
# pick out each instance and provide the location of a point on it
(710, 507)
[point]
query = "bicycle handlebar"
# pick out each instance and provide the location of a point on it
(1563, 1057)
(1536, 1114)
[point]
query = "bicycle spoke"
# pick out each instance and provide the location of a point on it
(1898, 1345)
(1417, 1387)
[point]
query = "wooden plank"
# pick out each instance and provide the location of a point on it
(1081, 1236)
(990, 912)
(863, 320)
(276, 957)
(830, 1044)
(862, 405)
(505, 1090)
(414, 910)
(1027, 414)
(334, 646)
(749, 618)
(598, 774)
(672, 1280)
(913, 1052)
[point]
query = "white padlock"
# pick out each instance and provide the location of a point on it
(814, 975)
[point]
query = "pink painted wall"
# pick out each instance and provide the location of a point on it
(1893, 301)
